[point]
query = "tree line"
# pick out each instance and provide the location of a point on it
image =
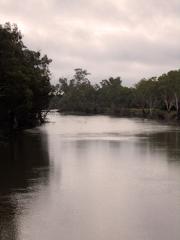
(153, 97)
(26, 91)
(25, 87)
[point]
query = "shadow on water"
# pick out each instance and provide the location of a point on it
(24, 165)
(164, 142)
(104, 179)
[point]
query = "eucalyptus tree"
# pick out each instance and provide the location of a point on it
(174, 78)
(146, 94)
(169, 90)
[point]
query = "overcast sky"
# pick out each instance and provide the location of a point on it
(128, 38)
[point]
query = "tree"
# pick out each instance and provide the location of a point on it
(165, 88)
(109, 94)
(76, 94)
(146, 94)
(24, 80)
(169, 89)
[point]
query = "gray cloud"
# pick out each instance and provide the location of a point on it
(130, 38)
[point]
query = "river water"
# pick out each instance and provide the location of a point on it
(91, 178)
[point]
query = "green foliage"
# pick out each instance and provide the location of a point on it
(24, 80)
(112, 96)
(146, 94)
(169, 90)
(80, 96)
(77, 94)
(149, 97)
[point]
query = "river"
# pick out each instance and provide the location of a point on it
(91, 178)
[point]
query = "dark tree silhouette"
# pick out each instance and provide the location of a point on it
(24, 80)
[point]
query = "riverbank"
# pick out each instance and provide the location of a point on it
(156, 114)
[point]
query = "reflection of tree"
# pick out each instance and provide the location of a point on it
(8, 225)
(169, 142)
(24, 163)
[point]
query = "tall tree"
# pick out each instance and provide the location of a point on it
(24, 80)
(146, 94)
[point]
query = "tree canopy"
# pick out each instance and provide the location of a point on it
(79, 95)
(24, 80)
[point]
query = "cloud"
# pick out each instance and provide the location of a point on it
(130, 38)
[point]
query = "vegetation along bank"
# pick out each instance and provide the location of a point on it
(26, 93)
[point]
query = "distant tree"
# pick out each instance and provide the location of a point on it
(174, 76)
(80, 76)
(110, 96)
(77, 94)
(146, 94)
(166, 91)
(169, 89)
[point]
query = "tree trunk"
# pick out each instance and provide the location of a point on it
(176, 104)
(168, 104)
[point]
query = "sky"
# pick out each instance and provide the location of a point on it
(132, 39)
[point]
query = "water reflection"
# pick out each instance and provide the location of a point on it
(169, 142)
(93, 178)
(24, 167)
